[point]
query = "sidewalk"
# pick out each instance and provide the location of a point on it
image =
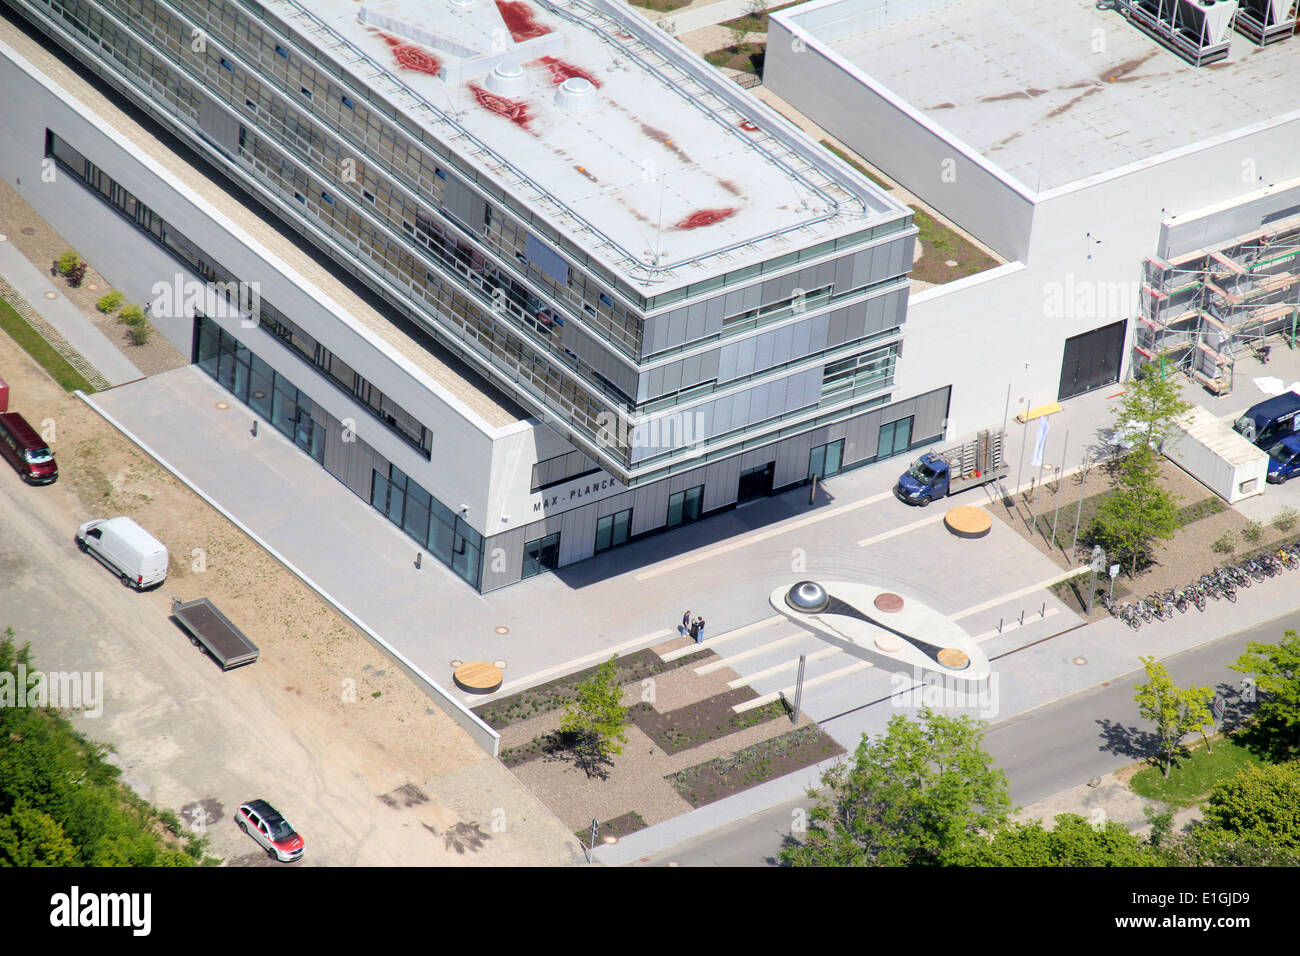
(65, 318)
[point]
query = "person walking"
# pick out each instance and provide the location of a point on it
(686, 623)
(697, 630)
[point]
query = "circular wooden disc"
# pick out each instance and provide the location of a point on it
(966, 521)
(888, 602)
(951, 657)
(477, 677)
(889, 643)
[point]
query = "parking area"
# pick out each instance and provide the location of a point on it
(323, 726)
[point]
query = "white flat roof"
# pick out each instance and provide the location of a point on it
(1053, 93)
(657, 170)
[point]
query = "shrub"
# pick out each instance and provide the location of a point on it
(77, 274)
(109, 302)
(131, 315)
(140, 333)
(1226, 543)
(1253, 531)
(67, 262)
(1285, 519)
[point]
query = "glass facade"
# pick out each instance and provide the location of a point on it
(429, 522)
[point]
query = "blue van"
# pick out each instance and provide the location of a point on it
(1284, 460)
(1270, 421)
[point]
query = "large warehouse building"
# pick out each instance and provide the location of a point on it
(580, 288)
(1106, 167)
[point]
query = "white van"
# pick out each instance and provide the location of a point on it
(124, 547)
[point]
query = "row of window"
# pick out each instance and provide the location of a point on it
(396, 418)
(433, 526)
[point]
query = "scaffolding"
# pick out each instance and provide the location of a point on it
(1202, 308)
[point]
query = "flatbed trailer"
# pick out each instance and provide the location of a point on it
(210, 629)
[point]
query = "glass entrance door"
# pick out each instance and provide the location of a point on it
(756, 482)
(894, 438)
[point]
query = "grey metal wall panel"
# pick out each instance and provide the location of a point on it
(745, 356)
(837, 328)
(727, 361)
(672, 378)
(722, 410)
(691, 371)
(734, 303)
(752, 297)
(877, 314)
(783, 345)
(715, 309)
(763, 350)
(818, 335)
(855, 318)
(709, 365)
(656, 381)
(676, 327)
(740, 407)
(696, 314)
(799, 337)
(657, 332)
(721, 485)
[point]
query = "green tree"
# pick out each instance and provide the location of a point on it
(32, 838)
(1276, 671)
(594, 720)
(919, 795)
(1072, 842)
(1260, 804)
(1174, 711)
(1137, 511)
(1148, 411)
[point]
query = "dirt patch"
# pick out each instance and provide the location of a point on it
(618, 828)
(703, 721)
(38, 241)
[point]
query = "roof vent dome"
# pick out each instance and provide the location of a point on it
(576, 94)
(507, 79)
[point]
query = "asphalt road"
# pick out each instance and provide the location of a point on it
(1043, 751)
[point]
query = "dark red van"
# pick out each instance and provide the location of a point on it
(26, 450)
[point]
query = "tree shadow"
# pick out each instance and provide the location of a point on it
(1127, 741)
(582, 750)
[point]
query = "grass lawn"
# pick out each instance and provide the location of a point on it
(856, 165)
(662, 5)
(758, 24)
(748, 57)
(35, 346)
(942, 246)
(1192, 778)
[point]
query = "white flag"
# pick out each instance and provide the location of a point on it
(1040, 442)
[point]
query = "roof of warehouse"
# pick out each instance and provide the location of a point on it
(1053, 93)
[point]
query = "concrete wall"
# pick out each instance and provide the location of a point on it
(874, 122)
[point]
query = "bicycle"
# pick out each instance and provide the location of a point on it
(1179, 599)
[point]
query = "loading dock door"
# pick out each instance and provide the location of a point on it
(1091, 360)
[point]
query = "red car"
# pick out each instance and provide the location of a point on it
(264, 824)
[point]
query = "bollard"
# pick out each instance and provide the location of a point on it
(999, 625)
(419, 556)
(1043, 612)
(254, 427)
(1022, 617)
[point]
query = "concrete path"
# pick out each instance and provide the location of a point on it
(684, 21)
(65, 318)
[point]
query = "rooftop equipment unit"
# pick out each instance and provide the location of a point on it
(1197, 30)
(1265, 21)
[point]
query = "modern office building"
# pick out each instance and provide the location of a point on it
(528, 276)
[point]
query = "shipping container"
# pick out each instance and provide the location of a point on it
(1216, 456)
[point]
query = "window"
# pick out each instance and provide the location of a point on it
(613, 530)
(607, 300)
(227, 65)
(301, 198)
(685, 506)
(251, 105)
(368, 196)
(282, 51)
(894, 437)
(327, 197)
(860, 373)
(542, 554)
(439, 173)
(825, 460)
(347, 102)
(305, 92)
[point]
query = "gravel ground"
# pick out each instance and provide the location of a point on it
(39, 242)
(636, 778)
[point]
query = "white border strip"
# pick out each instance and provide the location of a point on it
(483, 735)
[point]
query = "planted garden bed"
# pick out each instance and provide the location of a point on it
(723, 776)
